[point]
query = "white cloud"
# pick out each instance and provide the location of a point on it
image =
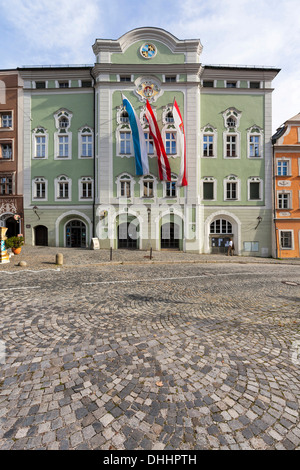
(53, 29)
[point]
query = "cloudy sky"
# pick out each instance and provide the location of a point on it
(246, 32)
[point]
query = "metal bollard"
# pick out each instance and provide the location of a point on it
(151, 253)
(59, 259)
(110, 254)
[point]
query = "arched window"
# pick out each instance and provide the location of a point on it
(221, 226)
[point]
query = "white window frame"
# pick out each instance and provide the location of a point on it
(164, 136)
(62, 179)
(85, 180)
(255, 179)
(39, 132)
(6, 113)
(289, 199)
(208, 179)
(283, 160)
(292, 240)
(35, 182)
(255, 131)
(174, 179)
(147, 179)
(10, 143)
(62, 131)
(125, 178)
(232, 179)
(237, 135)
(85, 131)
(209, 131)
(149, 139)
(8, 175)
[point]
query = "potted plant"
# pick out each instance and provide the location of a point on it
(15, 243)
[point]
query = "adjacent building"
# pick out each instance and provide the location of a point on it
(58, 155)
(286, 144)
(11, 153)
(79, 172)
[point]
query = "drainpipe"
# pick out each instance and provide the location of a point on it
(274, 195)
(94, 147)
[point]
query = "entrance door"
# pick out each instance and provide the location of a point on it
(127, 236)
(219, 245)
(76, 234)
(41, 235)
(12, 227)
(170, 236)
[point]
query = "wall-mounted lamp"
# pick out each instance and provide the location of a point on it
(35, 208)
(259, 218)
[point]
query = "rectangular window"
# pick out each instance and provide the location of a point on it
(149, 143)
(125, 78)
(208, 83)
(125, 143)
(282, 168)
(171, 189)
(6, 185)
(63, 190)
(231, 190)
(6, 151)
(254, 146)
(254, 84)
(125, 189)
(231, 146)
(148, 188)
(63, 146)
(6, 120)
(171, 143)
(208, 146)
(231, 85)
(86, 84)
(171, 78)
(254, 191)
(63, 84)
(87, 146)
(40, 190)
(87, 190)
(40, 85)
(40, 143)
(283, 201)
(286, 240)
(208, 191)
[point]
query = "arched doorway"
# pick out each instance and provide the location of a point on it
(12, 227)
(41, 235)
(76, 234)
(128, 235)
(220, 234)
(170, 236)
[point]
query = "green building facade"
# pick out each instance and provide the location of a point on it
(79, 164)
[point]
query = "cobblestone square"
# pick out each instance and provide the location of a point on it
(169, 355)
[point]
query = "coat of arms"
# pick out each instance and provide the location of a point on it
(148, 90)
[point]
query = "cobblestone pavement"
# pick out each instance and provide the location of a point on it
(159, 356)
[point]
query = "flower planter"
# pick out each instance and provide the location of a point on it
(16, 251)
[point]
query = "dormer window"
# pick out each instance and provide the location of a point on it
(231, 122)
(124, 116)
(63, 123)
(169, 117)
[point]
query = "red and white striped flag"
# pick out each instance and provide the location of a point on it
(182, 180)
(163, 162)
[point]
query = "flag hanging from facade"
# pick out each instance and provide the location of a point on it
(139, 141)
(182, 180)
(162, 159)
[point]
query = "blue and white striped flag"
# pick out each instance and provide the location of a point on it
(139, 141)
